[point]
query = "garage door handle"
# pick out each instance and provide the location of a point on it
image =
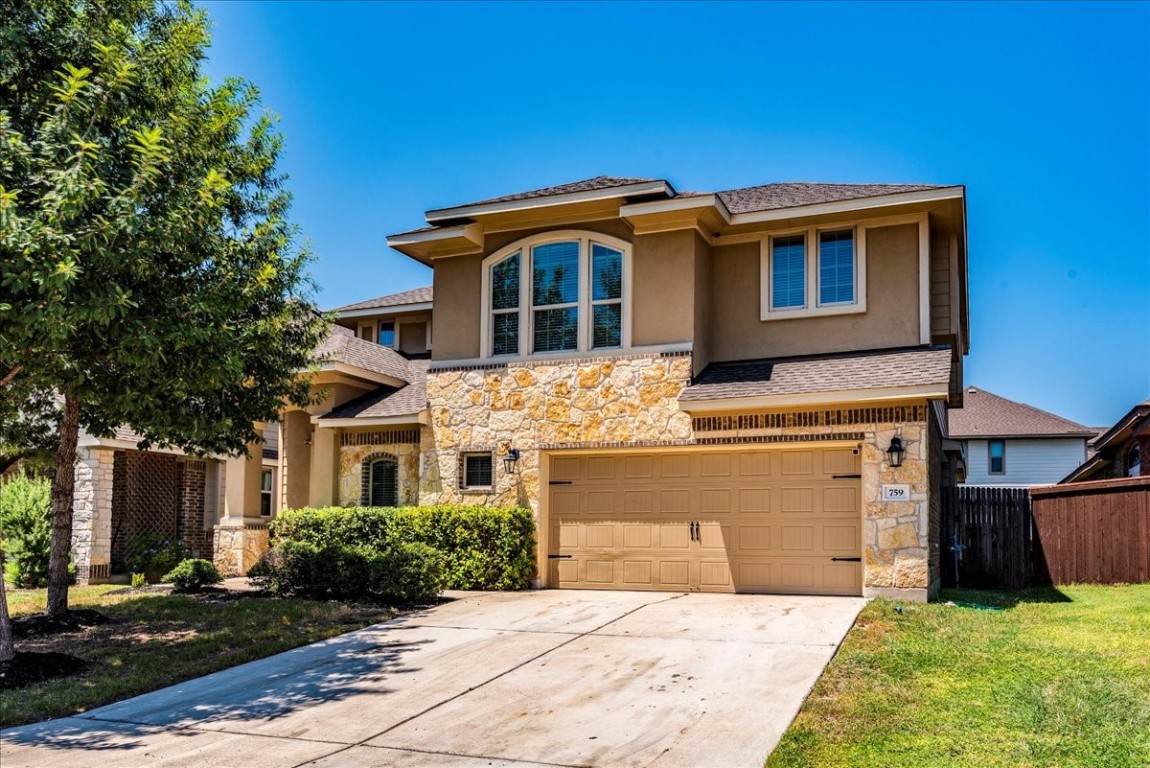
(560, 557)
(846, 559)
(559, 482)
(846, 477)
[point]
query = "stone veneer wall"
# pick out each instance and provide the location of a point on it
(607, 402)
(237, 548)
(92, 516)
(357, 446)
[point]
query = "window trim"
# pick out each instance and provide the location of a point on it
(811, 306)
(463, 457)
(584, 306)
(990, 457)
(270, 493)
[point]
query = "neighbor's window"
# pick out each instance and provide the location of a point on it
(997, 451)
(367, 332)
(812, 272)
(1134, 462)
(267, 481)
(557, 294)
(476, 471)
(387, 334)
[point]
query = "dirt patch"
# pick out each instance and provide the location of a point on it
(29, 667)
(41, 624)
(151, 589)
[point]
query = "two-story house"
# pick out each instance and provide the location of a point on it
(1007, 443)
(733, 391)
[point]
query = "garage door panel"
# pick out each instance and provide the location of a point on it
(768, 521)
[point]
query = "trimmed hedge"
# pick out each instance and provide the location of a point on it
(193, 575)
(482, 547)
(405, 572)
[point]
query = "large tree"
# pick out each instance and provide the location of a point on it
(148, 274)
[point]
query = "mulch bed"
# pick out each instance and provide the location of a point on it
(29, 667)
(41, 624)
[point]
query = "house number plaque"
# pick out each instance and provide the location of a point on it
(896, 492)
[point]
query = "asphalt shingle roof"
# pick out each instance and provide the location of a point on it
(414, 296)
(388, 401)
(985, 414)
(790, 195)
(822, 373)
(585, 185)
(343, 346)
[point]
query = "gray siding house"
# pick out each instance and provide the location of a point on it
(1007, 443)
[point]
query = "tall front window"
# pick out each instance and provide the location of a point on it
(836, 267)
(789, 272)
(563, 292)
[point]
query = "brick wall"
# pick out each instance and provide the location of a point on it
(191, 479)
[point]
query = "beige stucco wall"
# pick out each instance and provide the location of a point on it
(662, 290)
(455, 316)
(891, 319)
(702, 288)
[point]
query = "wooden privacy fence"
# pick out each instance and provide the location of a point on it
(986, 537)
(1095, 531)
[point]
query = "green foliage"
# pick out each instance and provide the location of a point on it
(149, 271)
(192, 575)
(404, 572)
(154, 555)
(139, 580)
(483, 547)
(26, 525)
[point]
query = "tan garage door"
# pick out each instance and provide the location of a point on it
(782, 520)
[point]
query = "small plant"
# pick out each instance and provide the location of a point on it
(193, 575)
(138, 580)
(154, 555)
(26, 525)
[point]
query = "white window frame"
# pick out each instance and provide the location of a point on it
(583, 306)
(811, 306)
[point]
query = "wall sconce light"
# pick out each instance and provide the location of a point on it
(896, 452)
(509, 460)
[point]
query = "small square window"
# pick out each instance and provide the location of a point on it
(997, 452)
(475, 471)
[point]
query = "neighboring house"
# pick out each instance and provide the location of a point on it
(1008, 443)
(692, 391)
(1120, 451)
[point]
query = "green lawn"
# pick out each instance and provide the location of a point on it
(155, 640)
(1059, 678)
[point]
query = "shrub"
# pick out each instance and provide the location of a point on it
(26, 523)
(482, 547)
(154, 555)
(138, 580)
(192, 575)
(401, 573)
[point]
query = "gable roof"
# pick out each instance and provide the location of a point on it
(814, 374)
(387, 402)
(414, 296)
(342, 346)
(985, 414)
(769, 197)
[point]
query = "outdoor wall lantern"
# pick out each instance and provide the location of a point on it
(896, 452)
(509, 459)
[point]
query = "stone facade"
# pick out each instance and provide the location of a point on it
(238, 547)
(351, 463)
(92, 516)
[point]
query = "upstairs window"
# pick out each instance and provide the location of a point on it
(996, 450)
(812, 272)
(561, 292)
(387, 334)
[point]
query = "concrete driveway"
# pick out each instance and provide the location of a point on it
(491, 679)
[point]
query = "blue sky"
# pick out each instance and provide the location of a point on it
(1042, 110)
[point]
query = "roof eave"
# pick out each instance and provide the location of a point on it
(939, 194)
(507, 206)
(938, 391)
(390, 309)
(419, 418)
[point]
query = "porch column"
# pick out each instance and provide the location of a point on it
(241, 538)
(324, 466)
(295, 458)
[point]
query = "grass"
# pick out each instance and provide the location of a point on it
(1058, 678)
(155, 640)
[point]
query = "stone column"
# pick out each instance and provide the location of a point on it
(241, 538)
(324, 467)
(295, 458)
(92, 516)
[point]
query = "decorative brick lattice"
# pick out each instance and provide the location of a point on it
(144, 500)
(846, 416)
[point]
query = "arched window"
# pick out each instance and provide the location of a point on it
(1134, 461)
(380, 483)
(558, 292)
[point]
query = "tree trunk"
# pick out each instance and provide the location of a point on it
(7, 648)
(62, 486)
